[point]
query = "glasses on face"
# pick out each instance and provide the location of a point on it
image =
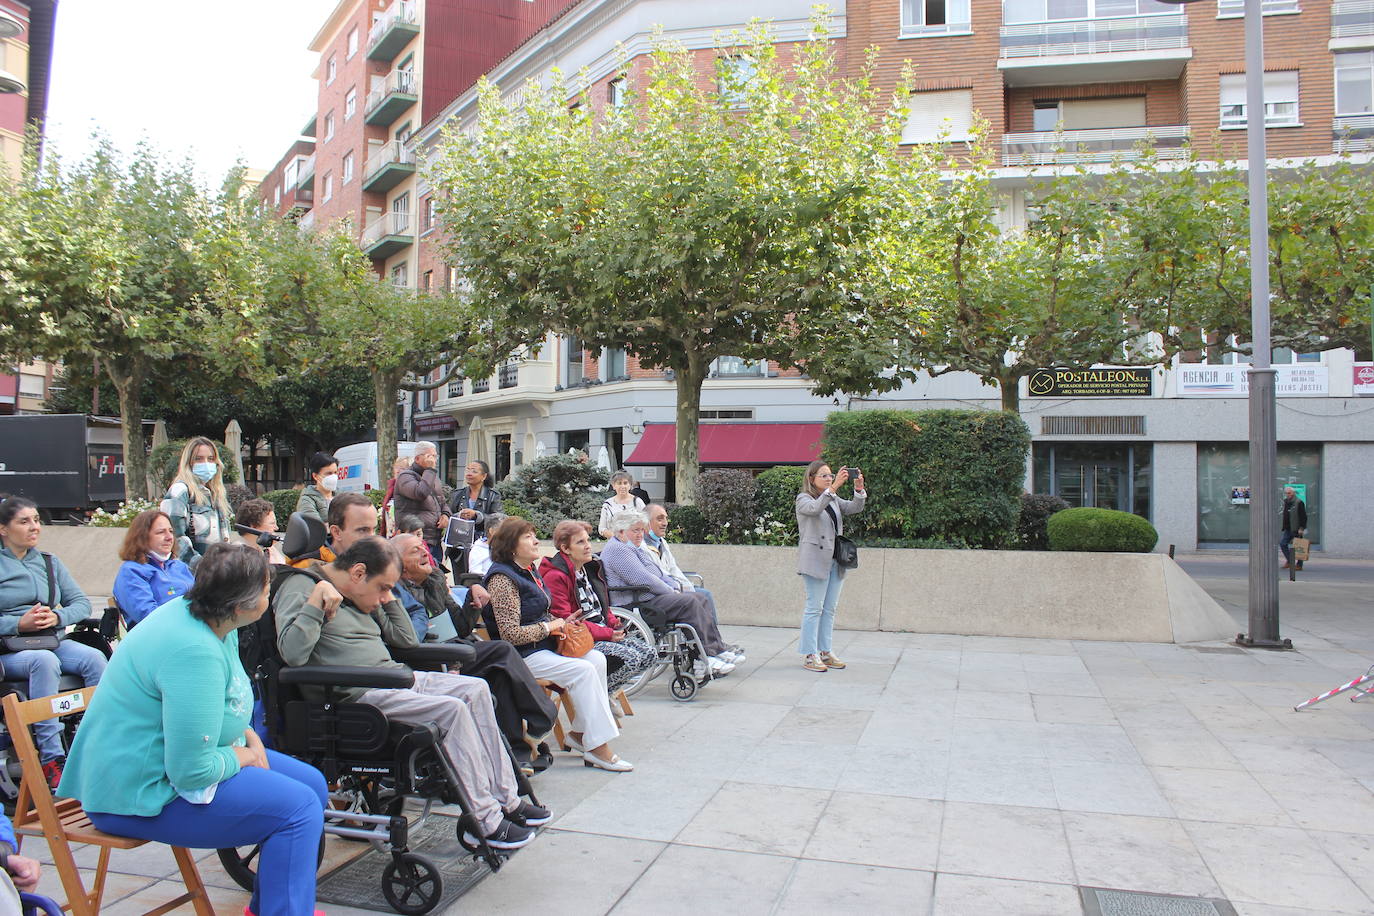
(826, 476)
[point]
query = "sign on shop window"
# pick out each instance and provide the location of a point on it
(1204, 381)
(1364, 378)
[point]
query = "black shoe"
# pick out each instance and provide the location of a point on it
(543, 760)
(509, 835)
(528, 814)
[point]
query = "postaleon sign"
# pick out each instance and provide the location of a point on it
(1364, 378)
(1090, 383)
(1205, 381)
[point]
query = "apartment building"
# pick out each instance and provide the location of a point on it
(1057, 81)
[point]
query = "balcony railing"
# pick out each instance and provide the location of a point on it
(1352, 134)
(1046, 147)
(481, 385)
(389, 163)
(1237, 7)
(393, 30)
(305, 176)
(388, 234)
(455, 388)
(1094, 36)
(508, 375)
(395, 94)
(1352, 18)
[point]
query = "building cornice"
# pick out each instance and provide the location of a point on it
(332, 25)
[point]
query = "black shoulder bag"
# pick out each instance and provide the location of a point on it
(39, 639)
(846, 551)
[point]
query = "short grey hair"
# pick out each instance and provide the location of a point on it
(624, 521)
(622, 475)
(230, 578)
(422, 448)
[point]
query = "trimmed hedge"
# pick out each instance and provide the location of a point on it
(687, 524)
(775, 494)
(1100, 530)
(283, 504)
(1036, 509)
(953, 476)
(725, 497)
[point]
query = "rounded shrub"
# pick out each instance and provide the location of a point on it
(687, 524)
(775, 494)
(726, 497)
(1100, 530)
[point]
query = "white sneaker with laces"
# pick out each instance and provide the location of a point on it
(720, 667)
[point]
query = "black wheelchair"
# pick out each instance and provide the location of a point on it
(373, 766)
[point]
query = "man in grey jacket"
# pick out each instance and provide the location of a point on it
(350, 618)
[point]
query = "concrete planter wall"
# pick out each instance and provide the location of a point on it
(91, 555)
(1107, 596)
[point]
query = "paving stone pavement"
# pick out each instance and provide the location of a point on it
(962, 775)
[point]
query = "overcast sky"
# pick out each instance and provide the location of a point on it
(215, 81)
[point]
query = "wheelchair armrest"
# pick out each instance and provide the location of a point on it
(434, 655)
(696, 578)
(348, 676)
(635, 593)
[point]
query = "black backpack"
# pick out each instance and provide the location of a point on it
(258, 641)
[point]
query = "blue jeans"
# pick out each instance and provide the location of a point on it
(1286, 545)
(281, 808)
(710, 602)
(42, 668)
(818, 620)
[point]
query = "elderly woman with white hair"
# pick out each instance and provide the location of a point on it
(420, 493)
(627, 566)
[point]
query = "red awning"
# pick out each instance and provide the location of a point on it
(742, 444)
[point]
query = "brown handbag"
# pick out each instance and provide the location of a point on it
(574, 640)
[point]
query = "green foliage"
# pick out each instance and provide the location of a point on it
(914, 543)
(951, 475)
(687, 524)
(775, 492)
(122, 517)
(283, 504)
(1036, 509)
(726, 497)
(743, 215)
(555, 488)
(1100, 530)
(377, 495)
(162, 463)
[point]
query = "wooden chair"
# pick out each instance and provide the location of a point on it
(563, 705)
(62, 822)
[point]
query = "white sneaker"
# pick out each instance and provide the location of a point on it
(720, 667)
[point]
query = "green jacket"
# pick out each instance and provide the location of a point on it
(313, 503)
(170, 706)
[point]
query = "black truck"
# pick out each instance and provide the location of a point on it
(69, 464)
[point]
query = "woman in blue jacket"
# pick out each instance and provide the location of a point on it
(150, 575)
(36, 594)
(171, 720)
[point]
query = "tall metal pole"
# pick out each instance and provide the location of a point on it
(1264, 495)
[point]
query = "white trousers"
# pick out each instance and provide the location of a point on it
(461, 707)
(585, 681)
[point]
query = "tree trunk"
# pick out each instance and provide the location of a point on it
(1011, 393)
(689, 377)
(127, 377)
(384, 388)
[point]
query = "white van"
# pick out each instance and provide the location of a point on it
(358, 465)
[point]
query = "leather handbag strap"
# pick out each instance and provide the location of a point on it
(52, 581)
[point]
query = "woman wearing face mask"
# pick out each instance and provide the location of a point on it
(195, 502)
(150, 576)
(324, 482)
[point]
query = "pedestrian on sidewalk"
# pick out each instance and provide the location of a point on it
(820, 520)
(1294, 524)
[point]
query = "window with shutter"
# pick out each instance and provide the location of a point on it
(945, 115)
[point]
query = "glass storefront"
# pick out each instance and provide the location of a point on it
(1223, 474)
(1106, 475)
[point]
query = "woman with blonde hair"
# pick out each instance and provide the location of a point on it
(196, 502)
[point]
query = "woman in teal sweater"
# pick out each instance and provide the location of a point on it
(165, 752)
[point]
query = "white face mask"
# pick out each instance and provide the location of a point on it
(330, 482)
(160, 557)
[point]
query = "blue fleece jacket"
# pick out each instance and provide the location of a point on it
(140, 588)
(24, 583)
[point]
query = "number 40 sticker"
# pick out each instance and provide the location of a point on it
(69, 703)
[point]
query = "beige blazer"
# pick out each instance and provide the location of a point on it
(816, 545)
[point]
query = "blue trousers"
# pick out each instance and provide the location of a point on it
(1286, 545)
(42, 668)
(818, 620)
(281, 808)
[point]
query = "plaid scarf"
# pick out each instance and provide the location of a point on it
(587, 598)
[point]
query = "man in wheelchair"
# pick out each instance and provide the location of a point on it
(349, 617)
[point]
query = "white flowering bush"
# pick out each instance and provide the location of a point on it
(122, 517)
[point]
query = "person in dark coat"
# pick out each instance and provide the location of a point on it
(1294, 524)
(419, 493)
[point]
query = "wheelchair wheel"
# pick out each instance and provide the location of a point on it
(241, 863)
(684, 687)
(411, 884)
(636, 627)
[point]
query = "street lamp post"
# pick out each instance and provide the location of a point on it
(1264, 505)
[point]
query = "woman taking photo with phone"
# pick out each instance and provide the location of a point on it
(820, 521)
